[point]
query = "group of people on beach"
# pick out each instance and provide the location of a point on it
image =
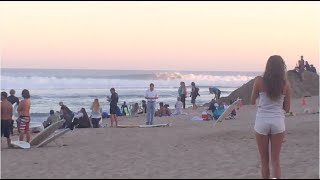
(23, 110)
(302, 66)
(273, 90)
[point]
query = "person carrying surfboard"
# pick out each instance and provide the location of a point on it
(6, 117)
(273, 90)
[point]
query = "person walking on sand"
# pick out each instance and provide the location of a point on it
(24, 115)
(273, 90)
(182, 91)
(113, 106)
(151, 96)
(6, 117)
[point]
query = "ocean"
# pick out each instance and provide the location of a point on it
(78, 88)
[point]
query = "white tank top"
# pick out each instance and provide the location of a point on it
(268, 108)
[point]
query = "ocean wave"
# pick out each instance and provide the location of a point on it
(161, 80)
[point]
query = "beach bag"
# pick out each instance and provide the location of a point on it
(205, 116)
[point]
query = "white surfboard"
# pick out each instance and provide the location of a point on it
(15, 110)
(53, 137)
(154, 125)
(46, 132)
(21, 144)
(228, 111)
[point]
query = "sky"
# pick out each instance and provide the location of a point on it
(201, 36)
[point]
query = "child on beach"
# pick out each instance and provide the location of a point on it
(178, 107)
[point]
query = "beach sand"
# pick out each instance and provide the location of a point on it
(186, 149)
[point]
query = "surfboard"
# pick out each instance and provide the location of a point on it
(53, 137)
(126, 110)
(46, 133)
(15, 110)
(154, 125)
(228, 111)
(143, 126)
(127, 126)
(20, 144)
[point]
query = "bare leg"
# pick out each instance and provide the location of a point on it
(111, 120)
(9, 142)
(263, 146)
(276, 142)
(116, 120)
(28, 136)
(21, 134)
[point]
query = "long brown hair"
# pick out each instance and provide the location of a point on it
(95, 105)
(274, 77)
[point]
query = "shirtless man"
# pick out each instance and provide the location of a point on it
(24, 115)
(6, 117)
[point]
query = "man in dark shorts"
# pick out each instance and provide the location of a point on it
(6, 117)
(13, 99)
(113, 106)
(216, 92)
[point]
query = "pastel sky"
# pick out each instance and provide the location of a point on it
(157, 35)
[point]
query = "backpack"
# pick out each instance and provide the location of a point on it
(196, 91)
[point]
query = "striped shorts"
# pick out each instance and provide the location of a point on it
(24, 122)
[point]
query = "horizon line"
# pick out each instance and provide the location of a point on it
(129, 69)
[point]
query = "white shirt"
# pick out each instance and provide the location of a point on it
(179, 105)
(151, 94)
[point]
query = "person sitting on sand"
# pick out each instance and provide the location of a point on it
(307, 66)
(66, 114)
(212, 106)
(159, 112)
(134, 109)
(51, 119)
(219, 110)
(81, 120)
(143, 107)
(178, 106)
(167, 111)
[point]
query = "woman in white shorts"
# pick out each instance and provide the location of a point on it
(273, 90)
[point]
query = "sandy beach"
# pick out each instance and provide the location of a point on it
(186, 149)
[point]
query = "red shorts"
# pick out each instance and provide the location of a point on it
(24, 124)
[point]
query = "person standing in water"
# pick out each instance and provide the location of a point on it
(182, 91)
(273, 90)
(194, 94)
